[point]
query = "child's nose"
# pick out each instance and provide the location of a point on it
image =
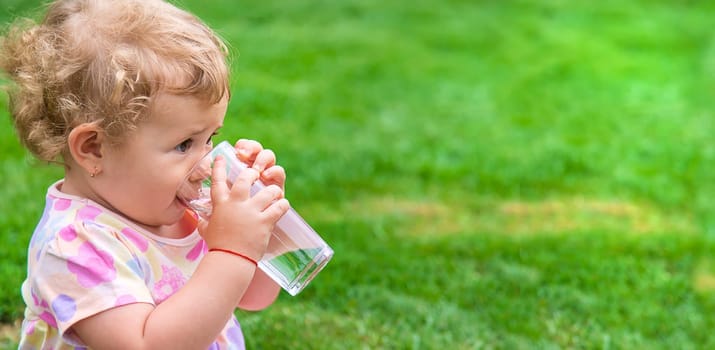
(201, 171)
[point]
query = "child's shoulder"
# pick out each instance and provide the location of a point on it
(69, 221)
(65, 209)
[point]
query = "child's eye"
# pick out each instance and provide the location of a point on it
(184, 146)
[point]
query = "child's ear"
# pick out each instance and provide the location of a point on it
(85, 146)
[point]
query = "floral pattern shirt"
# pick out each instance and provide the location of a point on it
(84, 259)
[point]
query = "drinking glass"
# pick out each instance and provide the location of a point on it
(295, 253)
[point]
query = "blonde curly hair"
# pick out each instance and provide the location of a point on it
(103, 61)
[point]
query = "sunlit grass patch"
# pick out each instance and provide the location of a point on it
(423, 216)
(582, 214)
(704, 277)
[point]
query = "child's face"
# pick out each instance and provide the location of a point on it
(140, 178)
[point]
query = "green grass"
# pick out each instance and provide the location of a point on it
(491, 174)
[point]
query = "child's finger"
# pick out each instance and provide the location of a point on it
(219, 189)
(264, 160)
(274, 175)
(268, 195)
(247, 150)
(241, 189)
(277, 209)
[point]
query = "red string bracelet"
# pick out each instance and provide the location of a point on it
(254, 262)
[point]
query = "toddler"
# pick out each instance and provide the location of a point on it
(126, 95)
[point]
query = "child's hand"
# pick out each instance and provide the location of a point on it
(238, 221)
(263, 160)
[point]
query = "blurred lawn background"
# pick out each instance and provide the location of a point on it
(491, 174)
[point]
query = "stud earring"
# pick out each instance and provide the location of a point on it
(94, 172)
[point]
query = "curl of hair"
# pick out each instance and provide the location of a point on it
(103, 62)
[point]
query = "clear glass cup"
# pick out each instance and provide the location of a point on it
(295, 253)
